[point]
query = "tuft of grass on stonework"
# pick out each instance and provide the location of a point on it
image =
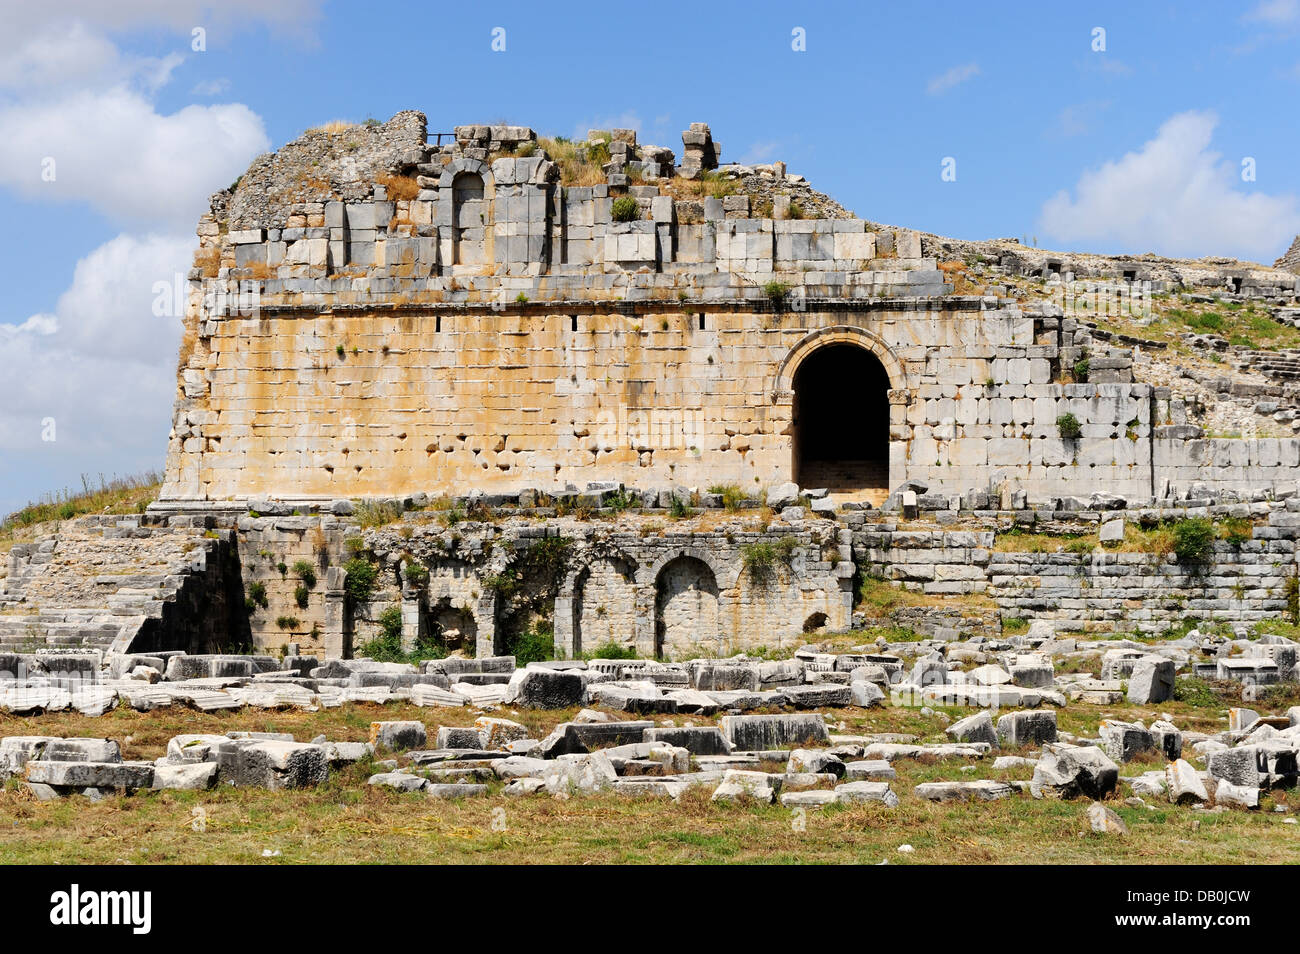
(377, 513)
(611, 650)
(733, 498)
(117, 495)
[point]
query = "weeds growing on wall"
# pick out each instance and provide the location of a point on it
(417, 574)
(625, 209)
(1067, 425)
(611, 650)
(377, 513)
(733, 498)
(525, 594)
(534, 644)
(362, 575)
(305, 570)
(1193, 539)
(256, 595)
(761, 559)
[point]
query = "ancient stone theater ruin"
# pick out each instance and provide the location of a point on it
(479, 387)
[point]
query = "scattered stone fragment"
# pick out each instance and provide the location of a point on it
(1184, 784)
(1028, 727)
(1103, 821)
(1073, 771)
(743, 786)
(975, 728)
(396, 736)
(852, 792)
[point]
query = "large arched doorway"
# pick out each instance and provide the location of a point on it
(841, 422)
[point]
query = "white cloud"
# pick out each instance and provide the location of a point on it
(1276, 12)
(102, 366)
(40, 324)
(99, 362)
(70, 87)
(1174, 196)
(212, 87)
(143, 167)
(954, 77)
(1078, 118)
(22, 19)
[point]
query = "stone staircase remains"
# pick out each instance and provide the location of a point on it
(107, 582)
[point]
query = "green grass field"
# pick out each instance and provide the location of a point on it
(346, 821)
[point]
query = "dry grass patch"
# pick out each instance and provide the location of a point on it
(403, 188)
(116, 495)
(347, 821)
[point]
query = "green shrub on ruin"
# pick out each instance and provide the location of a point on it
(305, 570)
(1237, 532)
(362, 575)
(611, 650)
(417, 574)
(535, 644)
(733, 498)
(257, 594)
(761, 559)
(776, 291)
(1067, 425)
(625, 209)
(1193, 539)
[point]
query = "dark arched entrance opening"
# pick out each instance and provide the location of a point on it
(841, 422)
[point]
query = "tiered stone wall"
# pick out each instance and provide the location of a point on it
(402, 317)
(1186, 464)
(674, 590)
(1098, 589)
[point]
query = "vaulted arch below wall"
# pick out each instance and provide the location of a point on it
(453, 626)
(687, 611)
(840, 420)
(604, 606)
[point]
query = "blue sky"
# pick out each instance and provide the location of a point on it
(1135, 148)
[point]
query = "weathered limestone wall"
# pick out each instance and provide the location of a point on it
(676, 590)
(441, 403)
(378, 316)
(976, 436)
(1099, 589)
(113, 583)
(269, 549)
(1220, 463)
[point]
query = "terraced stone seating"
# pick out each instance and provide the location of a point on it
(97, 584)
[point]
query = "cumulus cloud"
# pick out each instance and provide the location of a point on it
(1275, 12)
(99, 363)
(212, 87)
(71, 55)
(112, 149)
(1175, 196)
(953, 77)
(22, 19)
(101, 367)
